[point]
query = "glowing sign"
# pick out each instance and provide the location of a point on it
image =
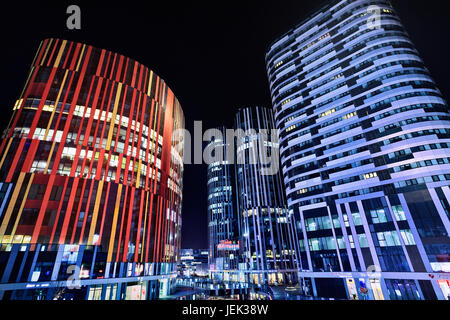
(227, 245)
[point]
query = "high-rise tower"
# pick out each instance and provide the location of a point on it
(223, 225)
(267, 228)
(364, 142)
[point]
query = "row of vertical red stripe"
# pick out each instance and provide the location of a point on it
(111, 72)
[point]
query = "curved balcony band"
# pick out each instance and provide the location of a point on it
(364, 145)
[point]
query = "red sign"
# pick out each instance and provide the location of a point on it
(228, 245)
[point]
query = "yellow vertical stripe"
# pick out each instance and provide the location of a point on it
(138, 173)
(95, 213)
(26, 83)
(11, 205)
(113, 118)
(114, 224)
(36, 56)
(6, 152)
(19, 214)
(150, 83)
(46, 52)
(80, 58)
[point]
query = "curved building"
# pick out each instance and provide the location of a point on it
(267, 228)
(364, 141)
(222, 221)
(90, 179)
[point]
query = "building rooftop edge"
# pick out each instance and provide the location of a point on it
(311, 14)
(120, 54)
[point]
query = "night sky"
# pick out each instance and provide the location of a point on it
(210, 53)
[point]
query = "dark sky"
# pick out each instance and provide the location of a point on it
(211, 54)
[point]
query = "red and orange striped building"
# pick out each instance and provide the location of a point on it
(91, 177)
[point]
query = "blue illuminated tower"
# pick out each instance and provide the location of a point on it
(223, 226)
(364, 144)
(269, 241)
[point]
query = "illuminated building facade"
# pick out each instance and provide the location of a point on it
(364, 142)
(222, 221)
(268, 237)
(90, 180)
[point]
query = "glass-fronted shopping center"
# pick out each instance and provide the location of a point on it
(90, 180)
(364, 144)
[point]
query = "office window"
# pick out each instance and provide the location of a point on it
(336, 221)
(388, 239)
(378, 216)
(341, 242)
(356, 219)
(399, 213)
(408, 237)
(314, 244)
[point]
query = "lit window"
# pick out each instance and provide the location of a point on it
(291, 128)
(327, 113)
(370, 175)
(399, 213)
(408, 237)
(378, 216)
(356, 218)
(388, 239)
(279, 64)
(350, 115)
(362, 239)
